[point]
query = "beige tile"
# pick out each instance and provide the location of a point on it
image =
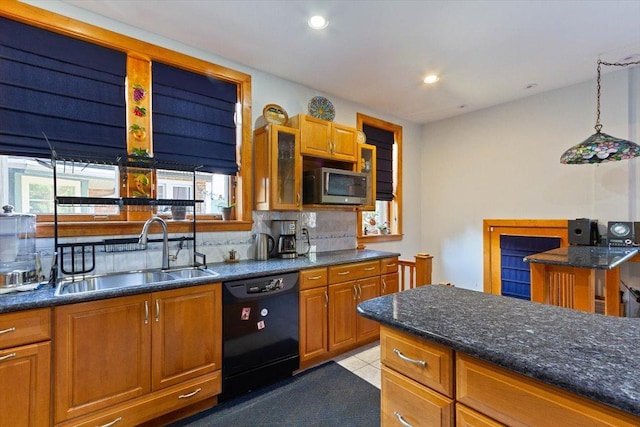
(370, 374)
(352, 363)
(370, 355)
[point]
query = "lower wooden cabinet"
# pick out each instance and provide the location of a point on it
(314, 308)
(25, 378)
(407, 402)
(25, 368)
(418, 388)
(127, 350)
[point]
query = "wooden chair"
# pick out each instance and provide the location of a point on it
(415, 273)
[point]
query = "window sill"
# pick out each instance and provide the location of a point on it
(379, 238)
(111, 228)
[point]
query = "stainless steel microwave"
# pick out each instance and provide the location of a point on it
(334, 186)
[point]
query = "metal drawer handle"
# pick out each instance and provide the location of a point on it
(391, 265)
(7, 356)
(344, 273)
(5, 331)
(402, 421)
(407, 359)
(188, 395)
(117, 420)
(314, 277)
(369, 268)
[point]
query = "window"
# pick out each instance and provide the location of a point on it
(27, 183)
(385, 223)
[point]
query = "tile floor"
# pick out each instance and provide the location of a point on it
(364, 362)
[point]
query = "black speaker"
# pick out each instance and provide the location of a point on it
(623, 233)
(583, 231)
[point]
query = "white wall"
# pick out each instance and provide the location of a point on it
(503, 162)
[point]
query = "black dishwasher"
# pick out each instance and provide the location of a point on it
(259, 332)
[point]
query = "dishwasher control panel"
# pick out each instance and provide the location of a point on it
(268, 286)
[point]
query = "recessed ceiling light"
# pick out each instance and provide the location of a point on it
(318, 22)
(431, 78)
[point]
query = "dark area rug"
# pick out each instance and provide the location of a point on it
(327, 395)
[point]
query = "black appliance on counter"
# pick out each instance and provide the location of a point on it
(259, 332)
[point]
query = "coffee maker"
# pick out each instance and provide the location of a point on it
(284, 232)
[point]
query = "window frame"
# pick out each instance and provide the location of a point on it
(395, 206)
(138, 50)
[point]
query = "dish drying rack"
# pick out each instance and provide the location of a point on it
(80, 257)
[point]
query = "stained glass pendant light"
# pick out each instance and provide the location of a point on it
(600, 147)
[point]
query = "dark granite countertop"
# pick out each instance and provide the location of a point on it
(600, 257)
(44, 297)
(592, 355)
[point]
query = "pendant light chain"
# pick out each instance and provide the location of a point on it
(598, 125)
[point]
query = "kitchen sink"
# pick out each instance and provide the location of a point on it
(129, 279)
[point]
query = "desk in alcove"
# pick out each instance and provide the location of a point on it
(566, 276)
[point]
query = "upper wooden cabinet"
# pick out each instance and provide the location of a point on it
(367, 164)
(327, 140)
(277, 174)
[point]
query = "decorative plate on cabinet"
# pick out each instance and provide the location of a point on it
(275, 114)
(362, 138)
(321, 108)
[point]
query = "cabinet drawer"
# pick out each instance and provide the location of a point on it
(404, 400)
(514, 399)
(313, 278)
(427, 363)
(358, 270)
(25, 327)
(467, 417)
(388, 265)
(152, 406)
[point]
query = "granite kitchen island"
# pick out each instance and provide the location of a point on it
(548, 361)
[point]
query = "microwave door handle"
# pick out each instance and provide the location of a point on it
(326, 183)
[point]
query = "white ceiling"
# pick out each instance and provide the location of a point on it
(376, 52)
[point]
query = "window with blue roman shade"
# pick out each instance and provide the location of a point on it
(69, 89)
(194, 119)
(383, 140)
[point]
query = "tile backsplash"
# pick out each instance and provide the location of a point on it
(328, 231)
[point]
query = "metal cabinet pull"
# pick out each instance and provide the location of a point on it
(146, 312)
(359, 292)
(408, 359)
(391, 265)
(343, 273)
(298, 199)
(355, 293)
(384, 286)
(6, 331)
(326, 298)
(314, 277)
(7, 356)
(369, 268)
(117, 420)
(157, 310)
(188, 395)
(402, 421)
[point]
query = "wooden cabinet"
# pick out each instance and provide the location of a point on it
(277, 168)
(511, 398)
(314, 307)
(389, 279)
(417, 381)
(367, 165)
(25, 368)
(327, 140)
(349, 285)
(130, 354)
(419, 388)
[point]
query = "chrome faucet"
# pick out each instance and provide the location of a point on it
(142, 241)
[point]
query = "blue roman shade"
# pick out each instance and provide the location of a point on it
(194, 119)
(71, 90)
(383, 140)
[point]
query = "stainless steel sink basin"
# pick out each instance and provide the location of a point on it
(129, 279)
(191, 273)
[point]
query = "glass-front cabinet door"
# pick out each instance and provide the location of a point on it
(277, 168)
(367, 164)
(286, 169)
